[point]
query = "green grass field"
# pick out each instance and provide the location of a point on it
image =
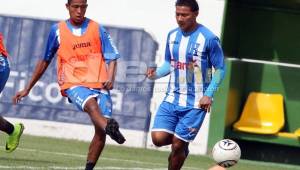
(42, 153)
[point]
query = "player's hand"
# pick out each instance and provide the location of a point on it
(108, 85)
(18, 97)
(151, 73)
(205, 103)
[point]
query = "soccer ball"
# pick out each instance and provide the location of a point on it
(226, 153)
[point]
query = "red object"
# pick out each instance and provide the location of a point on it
(2, 47)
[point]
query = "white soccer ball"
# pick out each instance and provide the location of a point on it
(226, 153)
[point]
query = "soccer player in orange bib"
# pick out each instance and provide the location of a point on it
(86, 66)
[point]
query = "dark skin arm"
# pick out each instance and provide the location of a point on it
(111, 71)
(37, 74)
(205, 103)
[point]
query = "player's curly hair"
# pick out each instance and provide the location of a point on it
(193, 4)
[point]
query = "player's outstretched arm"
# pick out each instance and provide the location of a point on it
(153, 73)
(37, 74)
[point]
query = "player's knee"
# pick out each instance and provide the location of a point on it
(91, 106)
(156, 140)
(157, 143)
(177, 148)
(161, 139)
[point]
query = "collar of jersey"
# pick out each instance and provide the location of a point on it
(191, 32)
(82, 26)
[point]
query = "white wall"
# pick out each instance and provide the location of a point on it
(155, 16)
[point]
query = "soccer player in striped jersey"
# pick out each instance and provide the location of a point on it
(86, 66)
(14, 131)
(192, 51)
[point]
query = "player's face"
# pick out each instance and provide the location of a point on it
(186, 19)
(77, 9)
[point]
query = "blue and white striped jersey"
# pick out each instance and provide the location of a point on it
(191, 57)
(109, 50)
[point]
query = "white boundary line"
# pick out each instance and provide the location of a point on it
(82, 132)
(266, 164)
(285, 166)
(104, 158)
(265, 62)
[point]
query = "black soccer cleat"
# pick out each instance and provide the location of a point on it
(112, 129)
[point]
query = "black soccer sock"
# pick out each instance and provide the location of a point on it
(6, 126)
(89, 165)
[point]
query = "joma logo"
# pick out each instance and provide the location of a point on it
(81, 45)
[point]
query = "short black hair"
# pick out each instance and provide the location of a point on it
(70, 1)
(193, 4)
